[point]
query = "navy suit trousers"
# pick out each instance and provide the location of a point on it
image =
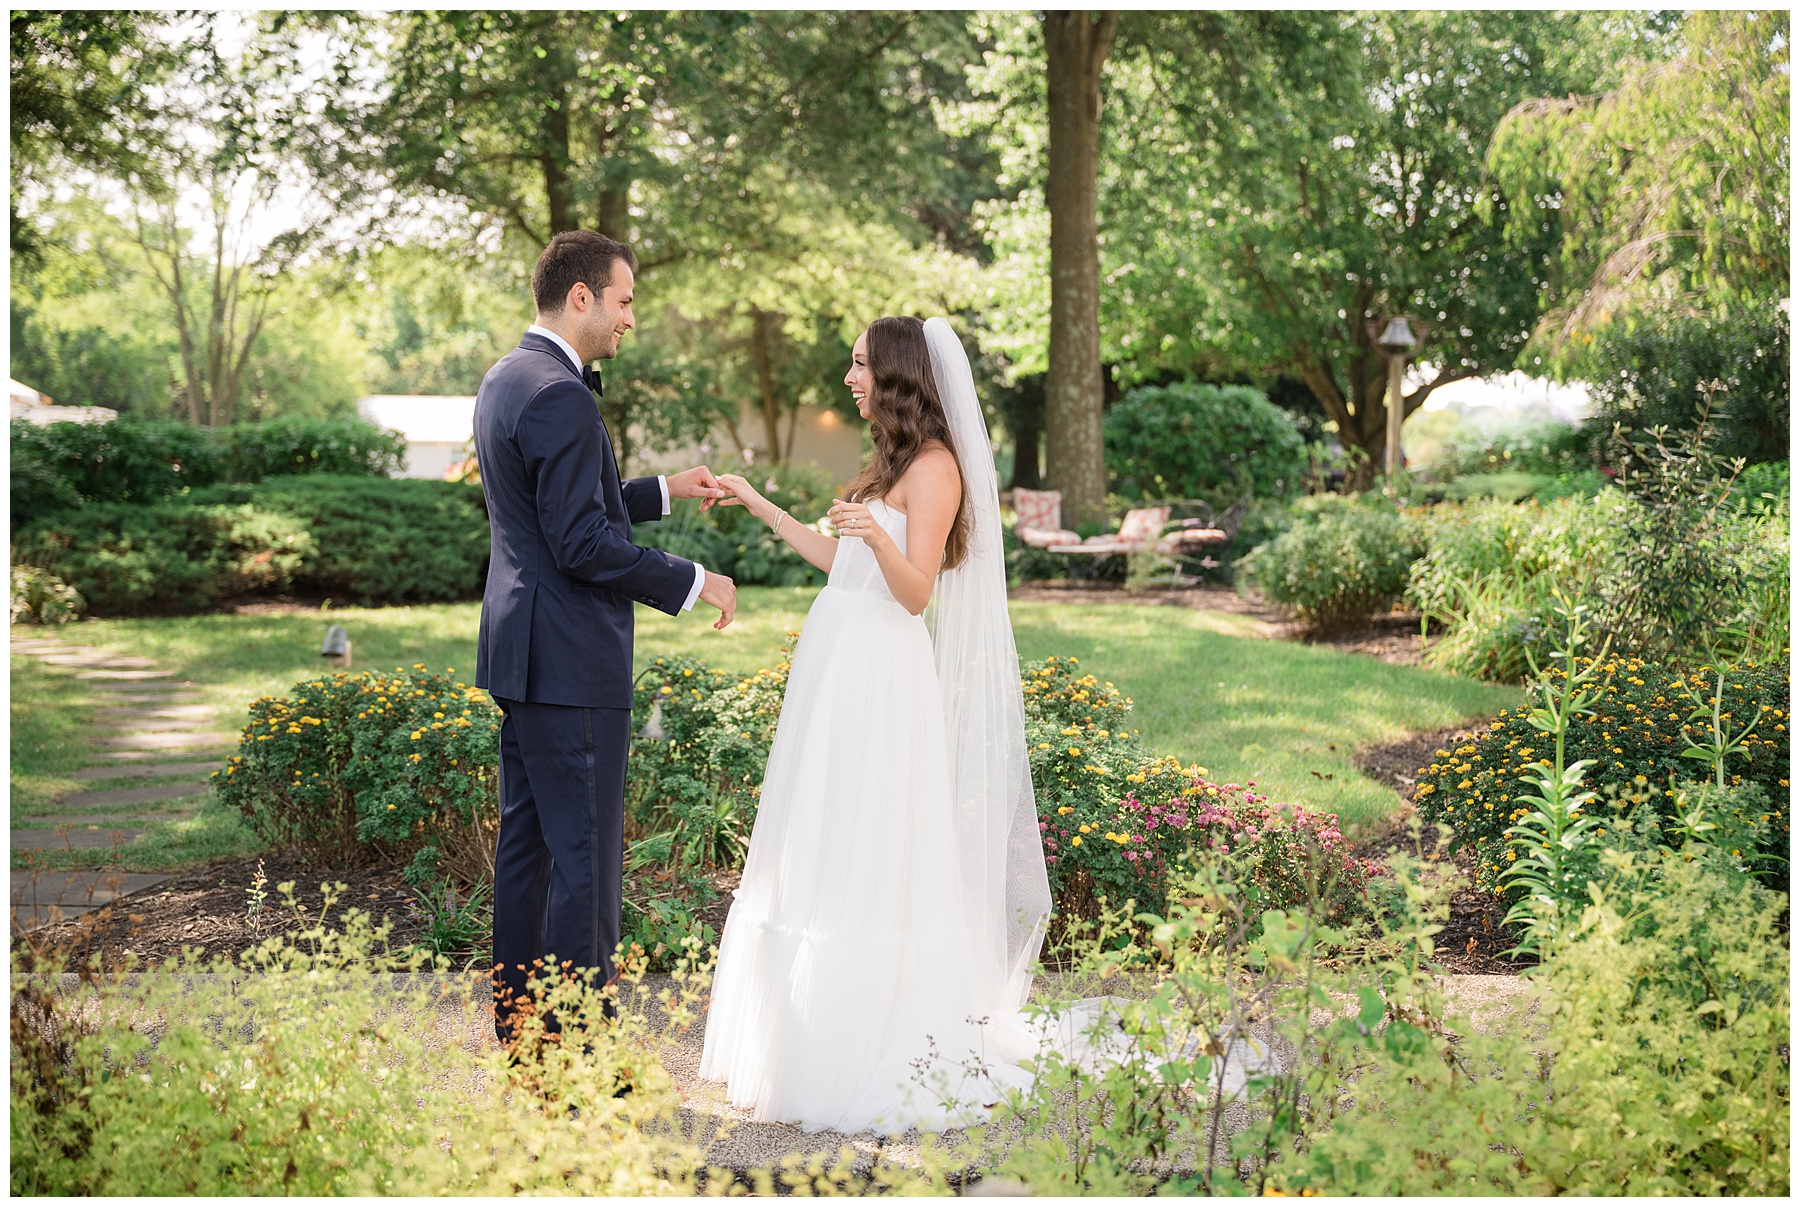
(559, 860)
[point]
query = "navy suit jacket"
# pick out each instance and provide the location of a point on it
(556, 622)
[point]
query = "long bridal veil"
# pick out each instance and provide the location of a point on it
(997, 841)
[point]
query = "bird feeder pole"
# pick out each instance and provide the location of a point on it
(1398, 342)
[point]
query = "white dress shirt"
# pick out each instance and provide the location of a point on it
(662, 480)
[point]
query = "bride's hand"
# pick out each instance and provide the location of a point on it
(745, 495)
(854, 519)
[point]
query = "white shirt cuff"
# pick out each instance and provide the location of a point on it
(699, 581)
(662, 481)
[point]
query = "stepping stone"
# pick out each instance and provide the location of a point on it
(148, 725)
(145, 771)
(98, 658)
(34, 892)
(78, 839)
(41, 646)
(140, 756)
(154, 683)
(100, 821)
(173, 710)
(166, 741)
(133, 796)
(129, 695)
(123, 674)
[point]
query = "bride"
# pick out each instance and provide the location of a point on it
(878, 949)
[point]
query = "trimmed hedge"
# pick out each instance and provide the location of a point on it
(60, 466)
(362, 540)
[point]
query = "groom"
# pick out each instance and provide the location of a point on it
(555, 643)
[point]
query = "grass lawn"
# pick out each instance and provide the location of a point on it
(1207, 689)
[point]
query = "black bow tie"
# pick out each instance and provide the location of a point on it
(591, 379)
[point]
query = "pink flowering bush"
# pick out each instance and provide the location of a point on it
(1286, 855)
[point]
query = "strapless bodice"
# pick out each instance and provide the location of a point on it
(855, 568)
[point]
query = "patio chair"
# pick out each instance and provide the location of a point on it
(1192, 539)
(1138, 530)
(1040, 518)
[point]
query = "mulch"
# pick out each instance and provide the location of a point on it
(1472, 938)
(209, 910)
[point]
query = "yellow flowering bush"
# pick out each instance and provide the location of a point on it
(1636, 738)
(352, 767)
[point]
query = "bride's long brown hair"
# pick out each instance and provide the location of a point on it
(906, 416)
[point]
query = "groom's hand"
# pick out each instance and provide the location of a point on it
(696, 483)
(721, 593)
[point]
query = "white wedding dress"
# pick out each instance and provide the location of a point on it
(877, 951)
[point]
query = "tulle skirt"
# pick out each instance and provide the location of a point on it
(849, 994)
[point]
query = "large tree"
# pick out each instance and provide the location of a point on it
(1076, 47)
(1670, 191)
(1282, 183)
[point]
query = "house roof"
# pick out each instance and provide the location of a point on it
(422, 418)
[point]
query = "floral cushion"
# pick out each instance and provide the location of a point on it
(1142, 525)
(1039, 509)
(1043, 538)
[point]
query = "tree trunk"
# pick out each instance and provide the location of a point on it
(554, 158)
(763, 356)
(1077, 44)
(1025, 417)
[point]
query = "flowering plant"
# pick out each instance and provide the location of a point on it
(1636, 735)
(347, 767)
(1287, 855)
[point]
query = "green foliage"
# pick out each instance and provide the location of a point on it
(700, 786)
(40, 598)
(165, 557)
(1644, 721)
(346, 768)
(1254, 215)
(308, 1069)
(1489, 574)
(66, 465)
(404, 540)
(370, 540)
(1545, 448)
(1670, 189)
(1196, 440)
(731, 541)
(1646, 370)
(1339, 566)
(1674, 583)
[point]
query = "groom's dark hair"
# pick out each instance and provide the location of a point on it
(584, 257)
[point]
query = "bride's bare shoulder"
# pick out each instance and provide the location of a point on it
(932, 474)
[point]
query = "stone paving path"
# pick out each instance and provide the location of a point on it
(148, 726)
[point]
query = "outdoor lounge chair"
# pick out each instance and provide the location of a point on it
(1192, 539)
(1138, 530)
(1040, 518)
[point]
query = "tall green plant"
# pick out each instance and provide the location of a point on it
(1674, 577)
(1555, 848)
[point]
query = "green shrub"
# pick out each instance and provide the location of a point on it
(701, 784)
(1640, 728)
(307, 1068)
(42, 598)
(1194, 440)
(379, 541)
(1646, 371)
(1488, 573)
(63, 465)
(166, 557)
(1544, 450)
(367, 540)
(1339, 566)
